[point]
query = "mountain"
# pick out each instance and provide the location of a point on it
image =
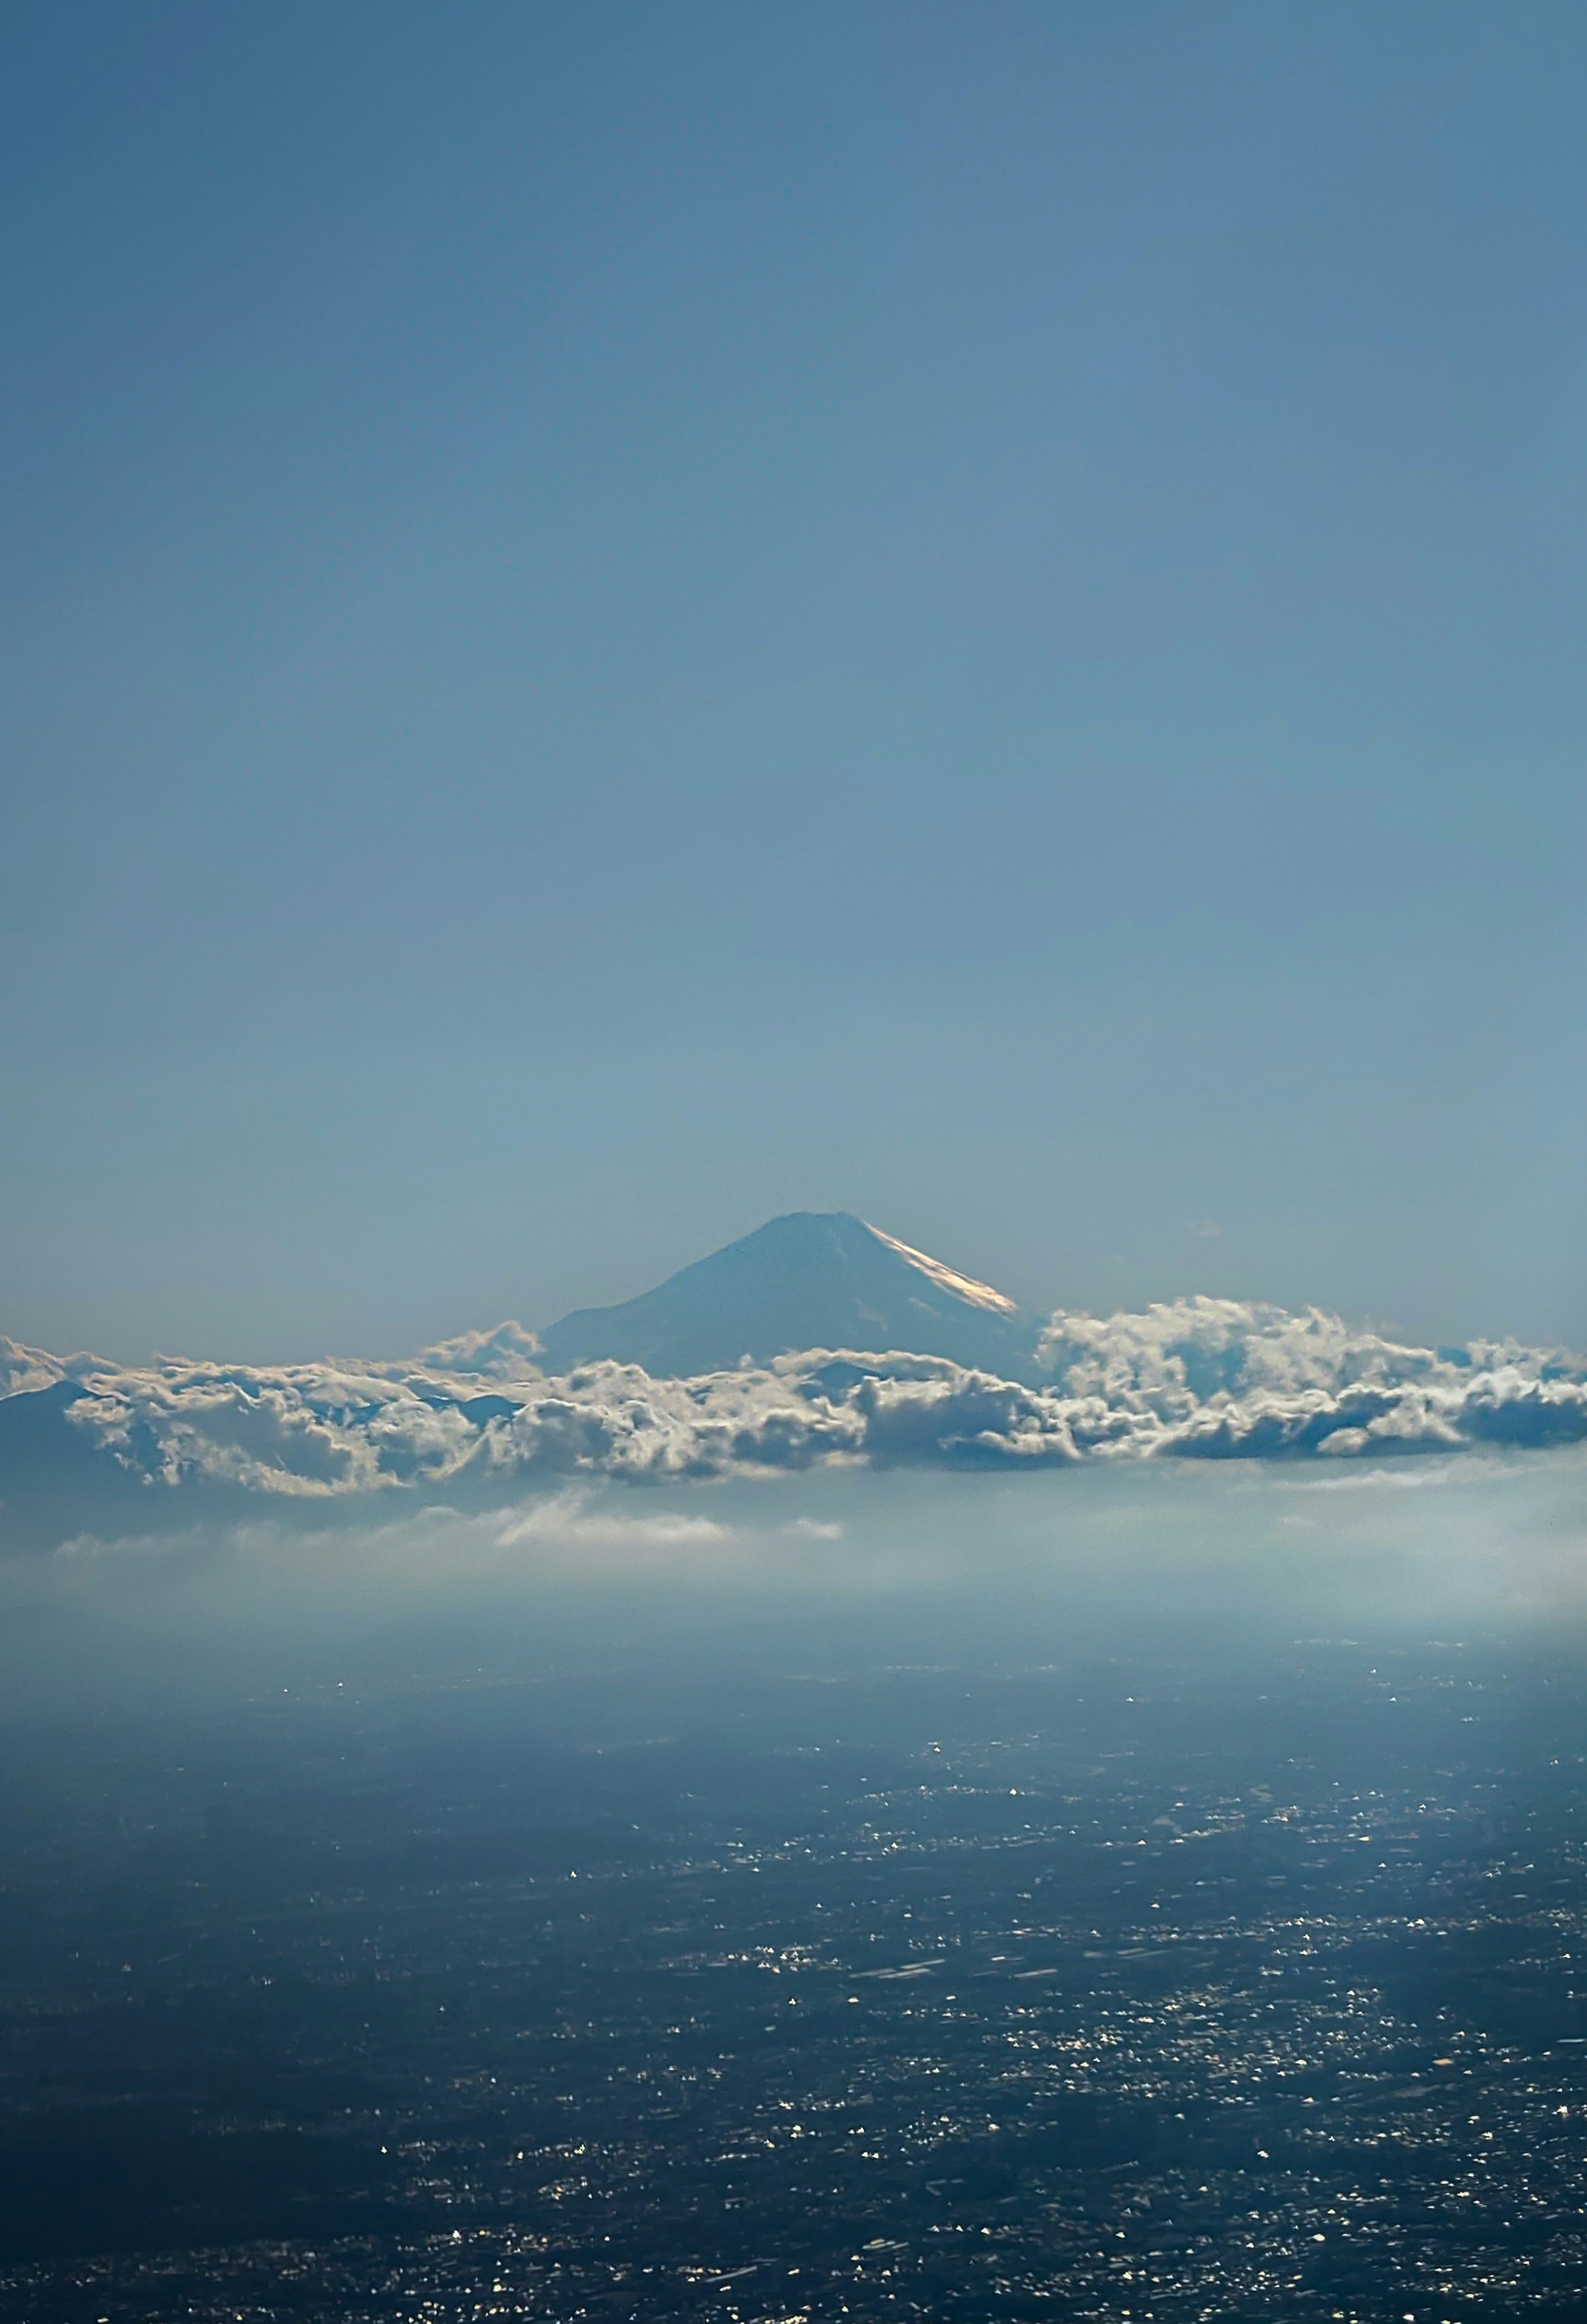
(810, 1279)
(54, 1478)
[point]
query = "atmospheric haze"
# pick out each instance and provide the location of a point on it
(958, 632)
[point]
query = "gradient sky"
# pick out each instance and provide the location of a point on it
(619, 618)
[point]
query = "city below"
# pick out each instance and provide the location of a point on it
(1114, 1990)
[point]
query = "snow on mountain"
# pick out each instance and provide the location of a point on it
(810, 1279)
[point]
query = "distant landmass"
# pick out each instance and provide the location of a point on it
(817, 1339)
(808, 1279)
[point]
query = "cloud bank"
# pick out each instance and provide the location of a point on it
(1197, 1378)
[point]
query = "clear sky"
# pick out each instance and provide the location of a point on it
(618, 618)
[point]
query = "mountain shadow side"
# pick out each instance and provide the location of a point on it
(54, 1480)
(809, 1279)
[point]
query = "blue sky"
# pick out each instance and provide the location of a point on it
(620, 619)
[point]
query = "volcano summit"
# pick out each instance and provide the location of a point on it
(809, 1279)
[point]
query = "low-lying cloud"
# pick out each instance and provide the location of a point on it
(1194, 1380)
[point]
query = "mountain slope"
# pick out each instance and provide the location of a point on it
(810, 1279)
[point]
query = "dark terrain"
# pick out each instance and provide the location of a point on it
(1099, 1991)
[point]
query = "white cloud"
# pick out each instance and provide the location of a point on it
(1204, 1379)
(24, 1371)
